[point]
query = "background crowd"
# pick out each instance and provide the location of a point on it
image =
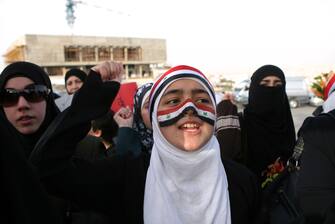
(177, 156)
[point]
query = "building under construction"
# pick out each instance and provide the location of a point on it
(142, 57)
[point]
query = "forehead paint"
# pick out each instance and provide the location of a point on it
(171, 116)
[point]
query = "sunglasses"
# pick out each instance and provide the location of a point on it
(33, 94)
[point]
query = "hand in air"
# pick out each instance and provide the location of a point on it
(110, 71)
(124, 117)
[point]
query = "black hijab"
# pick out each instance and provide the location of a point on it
(38, 76)
(23, 198)
(268, 121)
(75, 72)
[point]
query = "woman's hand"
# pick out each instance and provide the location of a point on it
(109, 71)
(124, 117)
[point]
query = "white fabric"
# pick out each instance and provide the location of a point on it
(64, 101)
(185, 187)
(329, 104)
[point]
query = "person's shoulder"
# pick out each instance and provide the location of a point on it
(322, 124)
(318, 133)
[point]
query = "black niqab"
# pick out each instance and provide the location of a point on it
(268, 121)
(38, 76)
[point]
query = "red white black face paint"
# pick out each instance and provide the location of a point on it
(171, 116)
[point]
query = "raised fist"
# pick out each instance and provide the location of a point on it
(109, 71)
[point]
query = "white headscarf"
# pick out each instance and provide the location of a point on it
(329, 104)
(329, 95)
(184, 187)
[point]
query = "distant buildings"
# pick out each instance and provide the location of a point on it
(143, 58)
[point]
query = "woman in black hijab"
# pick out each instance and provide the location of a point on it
(38, 90)
(28, 111)
(23, 198)
(268, 124)
(74, 79)
(23, 121)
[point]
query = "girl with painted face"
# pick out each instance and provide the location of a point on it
(186, 182)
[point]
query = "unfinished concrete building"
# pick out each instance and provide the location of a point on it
(56, 54)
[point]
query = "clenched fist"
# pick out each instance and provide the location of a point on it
(110, 71)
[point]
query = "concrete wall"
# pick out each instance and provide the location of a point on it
(47, 50)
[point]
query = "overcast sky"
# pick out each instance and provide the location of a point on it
(230, 37)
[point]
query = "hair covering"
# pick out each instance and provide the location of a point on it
(38, 76)
(75, 72)
(329, 95)
(145, 133)
(184, 187)
(330, 87)
(268, 121)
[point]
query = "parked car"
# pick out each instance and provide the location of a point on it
(315, 101)
(241, 92)
(296, 89)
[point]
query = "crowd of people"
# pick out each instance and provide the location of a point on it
(177, 156)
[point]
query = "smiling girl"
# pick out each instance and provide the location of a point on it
(186, 181)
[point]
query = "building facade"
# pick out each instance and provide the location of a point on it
(142, 57)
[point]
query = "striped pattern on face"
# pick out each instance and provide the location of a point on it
(178, 72)
(171, 116)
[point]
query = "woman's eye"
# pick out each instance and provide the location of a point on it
(203, 100)
(172, 101)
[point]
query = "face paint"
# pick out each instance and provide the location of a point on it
(171, 116)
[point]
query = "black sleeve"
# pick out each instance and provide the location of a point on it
(316, 182)
(244, 193)
(128, 141)
(23, 198)
(115, 184)
(228, 131)
(57, 145)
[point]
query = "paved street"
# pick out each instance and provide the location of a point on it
(299, 115)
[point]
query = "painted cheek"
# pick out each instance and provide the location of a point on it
(171, 116)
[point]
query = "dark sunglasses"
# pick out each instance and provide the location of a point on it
(33, 94)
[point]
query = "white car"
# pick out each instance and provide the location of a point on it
(315, 101)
